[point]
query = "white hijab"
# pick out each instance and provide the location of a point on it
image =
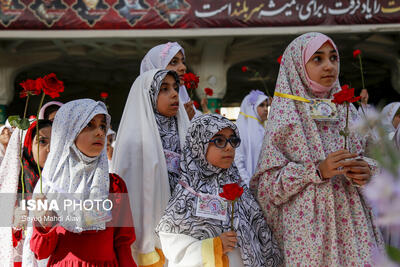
(251, 133)
(139, 158)
(388, 113)
(2, 148)
(9, 178)
(159, 57)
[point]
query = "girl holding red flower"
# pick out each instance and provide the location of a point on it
(319, 217)
(197, 227)
(171, 56)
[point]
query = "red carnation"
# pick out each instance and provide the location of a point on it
(30, 87)
(196, 104)
(345, 95)
(104, 95)
(245, 68)
(231, 192)
(356, 52)
(51, 85)
(191, 80)
(279, 59)
(209, 91)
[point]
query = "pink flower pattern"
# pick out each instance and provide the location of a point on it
(317, 222)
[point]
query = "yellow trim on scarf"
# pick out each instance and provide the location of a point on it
(153, 259)
(294, 97)
(249, 116)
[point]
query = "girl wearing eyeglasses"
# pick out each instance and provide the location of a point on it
(196, 228)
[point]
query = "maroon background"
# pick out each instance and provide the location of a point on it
(385, 12)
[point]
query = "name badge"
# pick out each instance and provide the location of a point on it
(211, 206)
(323, 110)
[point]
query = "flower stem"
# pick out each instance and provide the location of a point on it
(233, 203)
(347, 125)
(20, 156)
(37, 140)
(362, 72)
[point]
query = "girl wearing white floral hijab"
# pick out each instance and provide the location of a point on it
(250, 122)
(318, 216)
(170, 56)
(190, 239)
(76, 169)
(147, 154)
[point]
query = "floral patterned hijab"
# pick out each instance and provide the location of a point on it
(291, 133)
(257, 246)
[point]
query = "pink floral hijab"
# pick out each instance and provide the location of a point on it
(292, 134)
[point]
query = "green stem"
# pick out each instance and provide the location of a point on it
(362, 72)
(37, 140)
(20, 156)
(233, 203)
(346, 129)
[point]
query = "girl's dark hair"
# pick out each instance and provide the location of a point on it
(42, 124)
(50, 109)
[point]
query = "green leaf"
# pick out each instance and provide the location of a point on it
(14, 120)
(393, 253)
(24, 124)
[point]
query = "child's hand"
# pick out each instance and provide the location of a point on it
(336, 164)
(229, 241)
(20, 216)
(42, 215)
(189, 109)
(359, 171)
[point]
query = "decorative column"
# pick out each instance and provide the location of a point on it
(212, 70)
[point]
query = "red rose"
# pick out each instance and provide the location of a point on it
(51, 85)
(244, 68)
(16, 237)
(30, 87)
(191, 81)
(208, 91)
(104, 95)
(356, 53)
(196, 104)
(279, 59)
(345, 95)
(231, 191)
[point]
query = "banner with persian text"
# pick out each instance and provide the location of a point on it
(164, 14)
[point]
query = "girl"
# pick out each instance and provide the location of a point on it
(250, 123)
(30, 157)
(391, 118)
(49, 110)
(318, 216)
(110, 146)
(77, 164)
(147, 152)
(170, 56)
(5, 135)
(188, 239)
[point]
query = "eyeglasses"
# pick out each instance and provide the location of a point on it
(221, 141)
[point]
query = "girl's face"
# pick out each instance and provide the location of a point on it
(262, 111)
(396, 121)
(178, 65)
(92, 138)
(323, 66)
(40, 156)
(5, 136)
(168, 100)
(221, 157)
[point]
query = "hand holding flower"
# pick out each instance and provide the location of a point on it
(359, 171)
(336, 164)
(229, 241)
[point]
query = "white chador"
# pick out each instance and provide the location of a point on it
(139, 157)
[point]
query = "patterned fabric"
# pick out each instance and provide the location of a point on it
(319, 222)
(167, 127)
(31, 173)
(257, 246)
